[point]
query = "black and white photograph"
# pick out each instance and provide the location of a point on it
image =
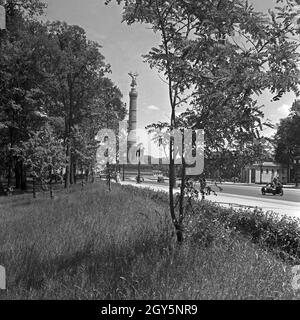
(149, 152)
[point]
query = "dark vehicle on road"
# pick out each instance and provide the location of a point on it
(271, 188)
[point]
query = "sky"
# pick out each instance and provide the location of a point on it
(123, 47)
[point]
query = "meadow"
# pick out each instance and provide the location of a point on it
(95, 244)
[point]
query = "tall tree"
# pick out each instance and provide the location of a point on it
(216, 55)
(20, 96)
(50, 74)
(44, 156)
(287, 140)
(227, 163)
(75, 74)
(106, 111)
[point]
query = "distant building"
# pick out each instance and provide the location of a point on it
(264, 173)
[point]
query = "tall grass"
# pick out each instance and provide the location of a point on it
(93, 244)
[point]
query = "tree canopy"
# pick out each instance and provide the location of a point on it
(287, 142)
(53, 80)
(215, 56)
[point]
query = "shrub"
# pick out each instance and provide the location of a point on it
(275, 232)
(270, 230)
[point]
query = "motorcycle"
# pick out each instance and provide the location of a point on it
(269, 188)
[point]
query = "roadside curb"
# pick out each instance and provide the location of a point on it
(230, 200)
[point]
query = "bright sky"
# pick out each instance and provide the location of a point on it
(123, 47)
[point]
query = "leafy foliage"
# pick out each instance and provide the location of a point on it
(44, 154)
(51, 75)
(287, 137)
(277, 233)
(215, 56)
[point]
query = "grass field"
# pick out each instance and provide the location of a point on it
(93, 244)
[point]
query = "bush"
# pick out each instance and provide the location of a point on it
(270, 230)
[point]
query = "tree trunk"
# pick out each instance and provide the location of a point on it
(9, 175)
(108, 181)
(67, 175)
(68, 131)
(182, 187)
(71, 170)
(297, 173)
(179, 232)
(87, 175)
(1, 187)
(51, 189)
(61, 176)
(93, 176)
(172, 181)
(181, 199)
(74, 173)
(23, 177)
(18, 175)
(34, 187)
(11, 160)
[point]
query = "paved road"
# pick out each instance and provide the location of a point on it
(290, 194)
(254, 191)
(246, 197)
